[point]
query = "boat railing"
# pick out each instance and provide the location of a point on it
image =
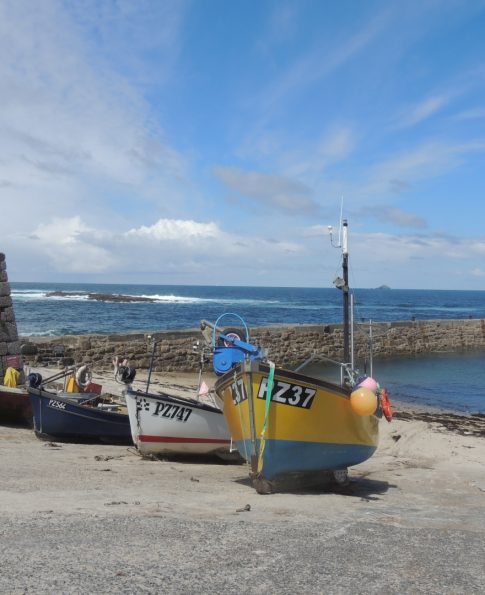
(345, 369)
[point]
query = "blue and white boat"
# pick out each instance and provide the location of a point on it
(79, 417)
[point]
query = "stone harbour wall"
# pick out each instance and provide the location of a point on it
(287, 345)
(9, 340)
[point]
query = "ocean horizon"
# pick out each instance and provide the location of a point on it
(55, 309)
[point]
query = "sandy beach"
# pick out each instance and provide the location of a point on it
(84, 518)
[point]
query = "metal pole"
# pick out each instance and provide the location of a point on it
(201, 367)
(352, 330)
(151, 363)
(371, 349)
(345, 289)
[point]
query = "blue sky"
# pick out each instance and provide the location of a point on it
(211, 141)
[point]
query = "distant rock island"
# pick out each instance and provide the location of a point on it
(101, 297)
(383, 287)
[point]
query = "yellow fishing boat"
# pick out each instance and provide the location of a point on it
(299, 425)
(286, 423)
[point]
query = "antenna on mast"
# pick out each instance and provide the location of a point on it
(341, 220)
(342, 237)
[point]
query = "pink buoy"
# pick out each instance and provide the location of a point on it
(369, 383)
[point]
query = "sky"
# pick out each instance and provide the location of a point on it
(212, 142)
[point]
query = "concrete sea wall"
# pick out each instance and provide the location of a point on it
(287, 345)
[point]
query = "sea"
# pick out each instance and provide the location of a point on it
(454, 382)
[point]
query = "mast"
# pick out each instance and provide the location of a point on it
(345, 289)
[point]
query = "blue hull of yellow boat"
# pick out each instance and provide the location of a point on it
(287, 456)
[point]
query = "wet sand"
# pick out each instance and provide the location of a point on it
(87, 518)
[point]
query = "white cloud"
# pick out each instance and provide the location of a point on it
(413, 260)
(189, 251)
(386, 181)
(183, 249)
(471, 114)
(279, 193)
(396, 216)
(311, 67)
(73, 127)
(69, 244)
(299, 74)
(176, 230)
(338, 144)
(143, 36)
(315, 231)
(424, 110)
(282, 25)
(193, 238)
(306, 160)
(312, 159)
(393, 249)
(91, 185)
(424, 162)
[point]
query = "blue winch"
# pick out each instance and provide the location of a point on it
(230, 345)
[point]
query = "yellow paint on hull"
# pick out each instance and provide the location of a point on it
(330, 418)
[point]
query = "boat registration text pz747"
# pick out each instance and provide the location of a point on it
(168, 410)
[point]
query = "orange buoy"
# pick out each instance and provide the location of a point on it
(363, 401)
(386, 404)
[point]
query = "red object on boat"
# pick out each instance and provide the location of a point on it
(15, 407)
(386, 405)
(92, 387)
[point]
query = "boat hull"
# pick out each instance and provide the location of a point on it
(311, 426)
(164, 424)
(15, 407)
(61, 418)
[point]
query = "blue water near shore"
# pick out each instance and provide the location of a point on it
(455, 382)
(178, 306)
(450, 381)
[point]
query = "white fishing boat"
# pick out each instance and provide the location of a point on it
(168, 424)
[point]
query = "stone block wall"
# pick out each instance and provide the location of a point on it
(9, 340)
(286, 345)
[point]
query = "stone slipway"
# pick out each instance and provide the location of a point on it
(99, 519)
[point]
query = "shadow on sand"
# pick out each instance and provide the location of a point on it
(358, 487)
(191, 459)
